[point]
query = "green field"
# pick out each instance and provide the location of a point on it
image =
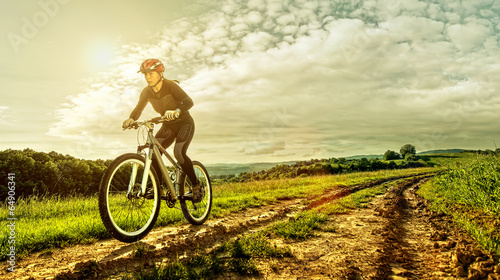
(468, 183)
(44, 224)
(469, 191)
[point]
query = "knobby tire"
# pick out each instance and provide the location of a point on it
(128, 219)
(197, 213)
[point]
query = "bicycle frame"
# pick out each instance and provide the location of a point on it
(129, 210)
(155, 147)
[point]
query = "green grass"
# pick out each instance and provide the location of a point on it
(54, 222)
(238, 256)
(470, 192)
(448, 193)
(241, 255)
(447, 160)
(47, 223)
(300, 226)
(359, 199)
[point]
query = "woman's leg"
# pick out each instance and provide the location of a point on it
(184, 137)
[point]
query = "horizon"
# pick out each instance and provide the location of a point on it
(272, 81)
(268, 162)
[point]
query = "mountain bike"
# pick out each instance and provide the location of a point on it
(131, 191)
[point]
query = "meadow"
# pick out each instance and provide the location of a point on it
(44, 224)
(466, 188)
(469, 191)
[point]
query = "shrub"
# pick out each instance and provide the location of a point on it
(407, 149)
(390, 155)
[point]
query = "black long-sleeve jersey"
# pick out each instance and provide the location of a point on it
(170, 97)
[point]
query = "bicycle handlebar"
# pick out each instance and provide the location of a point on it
(156, 120)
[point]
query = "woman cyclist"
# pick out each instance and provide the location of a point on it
(168, 99)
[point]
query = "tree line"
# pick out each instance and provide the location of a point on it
(53, 174)
(47, 174)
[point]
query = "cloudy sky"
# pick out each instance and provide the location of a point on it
(272, 80)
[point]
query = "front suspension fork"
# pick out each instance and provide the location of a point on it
(144, 181)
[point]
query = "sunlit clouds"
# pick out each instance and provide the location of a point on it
(4, 115)
(292, 80)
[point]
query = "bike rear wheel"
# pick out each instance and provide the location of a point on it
(196, 213)
(128, 216)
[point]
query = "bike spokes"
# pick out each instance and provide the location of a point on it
(197, 212)
(127, 213)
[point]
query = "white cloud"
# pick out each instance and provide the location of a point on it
(268, 82)
(4, 115)
(411, 28)
(469, 36)
(259, 41)
(435, 12)
(286, 19)
(256, 4)
(415, 7)
(274, 8)
(253, 18)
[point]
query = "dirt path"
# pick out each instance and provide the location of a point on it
(395, 237)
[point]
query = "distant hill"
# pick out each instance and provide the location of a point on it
(365, 156)
(238, 168)
(445, 151)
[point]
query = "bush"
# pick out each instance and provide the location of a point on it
(411, 157)
(390, 155)
(407, 149)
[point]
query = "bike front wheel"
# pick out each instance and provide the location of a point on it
(126, 213)
(196, 213)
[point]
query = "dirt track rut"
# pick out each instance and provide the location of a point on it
(395, 237)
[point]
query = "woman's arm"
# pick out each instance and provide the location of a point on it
(143, 101)
(181, 96)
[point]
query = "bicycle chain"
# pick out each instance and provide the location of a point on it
(170, 202)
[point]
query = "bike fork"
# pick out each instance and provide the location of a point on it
(145, 175)
(133, 176)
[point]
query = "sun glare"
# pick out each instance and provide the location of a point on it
(101, 55)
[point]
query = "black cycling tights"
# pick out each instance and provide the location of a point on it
(182, 134)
